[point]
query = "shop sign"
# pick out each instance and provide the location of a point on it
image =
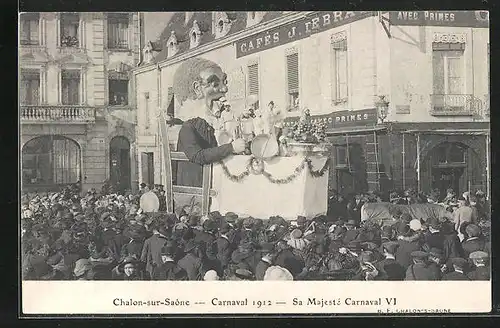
(470, 18)
(300, 29)
(342, 119)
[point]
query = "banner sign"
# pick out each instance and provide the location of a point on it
(471, 18)
(300, 29)
(342, 119)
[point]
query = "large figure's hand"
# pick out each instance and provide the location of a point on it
(239, 145)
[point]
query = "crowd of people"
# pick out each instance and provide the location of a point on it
(106, 236)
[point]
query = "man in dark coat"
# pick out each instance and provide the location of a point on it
(351, 233)
(433, 238)
(192, 262)
(265, 262)
(224, 247)
(287, 259)
(169, 269)
(459, 265)
(481, 270)
(390, 269)
(203, 84)
(420, 269)
(354, 209)
(403, 253)
(151, 251)
(474, 242)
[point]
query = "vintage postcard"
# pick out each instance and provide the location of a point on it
(273, 162)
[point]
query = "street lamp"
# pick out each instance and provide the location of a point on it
(382, 108)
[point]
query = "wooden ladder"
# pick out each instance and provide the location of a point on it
(373, 162)
(175, 156)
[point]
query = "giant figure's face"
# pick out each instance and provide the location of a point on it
(212, 88)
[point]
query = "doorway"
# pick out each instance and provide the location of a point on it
(119, 163)
(148, 175)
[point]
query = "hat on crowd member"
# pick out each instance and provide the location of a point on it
(462, 199)
(391, 247)
(301, 220)
(211, 275)
(168, 249)
(137, 231)
(366, 256)
(406, 217)
(224, 227)
(277, 273)
(82, 266)
(472, 230)
(419, 255)
(193, 220)
(257, 223)
(436, 252)
(354, 246)
(267, 247)
(350, 223)
(415, 225)
(434, 223)
(248, 222)
(244, 274)
(296, 234)
(403, 228)
(242, 252)
(128, 260)
(216, 215)
(478, 255)
(368, 246)
(231, 217)
(209, 225)
(459, 262)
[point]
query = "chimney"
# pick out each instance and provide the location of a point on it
(188, 16)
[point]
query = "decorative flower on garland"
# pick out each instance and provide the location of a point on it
(256, 166)
(307, 132)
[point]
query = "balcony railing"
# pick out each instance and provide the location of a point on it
(57, 114)
(455, 104)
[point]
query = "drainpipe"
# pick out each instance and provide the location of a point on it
(404, 163)
(418, 162)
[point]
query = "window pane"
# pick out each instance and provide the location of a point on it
(455, 67)
(292, 62)
(438, 72)
(118, 92)
(71, 87)
(456, 154)
(341, 74)
(455, 86)
(253, 79)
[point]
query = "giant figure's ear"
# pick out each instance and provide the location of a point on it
(197, 89)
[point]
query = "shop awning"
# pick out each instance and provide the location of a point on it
(355, 130)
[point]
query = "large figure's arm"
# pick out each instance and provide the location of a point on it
(198, 155)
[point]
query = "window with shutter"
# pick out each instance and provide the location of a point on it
(448, 70)
(30, 87)
(292, 69)
(253, 79)
(70, 82)
(29, 29)
(339, 71)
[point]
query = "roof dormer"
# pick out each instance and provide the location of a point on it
(172, 45)
(221, 24)
(194, 35)
(254, 17)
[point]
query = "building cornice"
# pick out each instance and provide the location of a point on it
(223, 41)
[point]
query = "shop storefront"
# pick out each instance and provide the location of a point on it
(359, 147)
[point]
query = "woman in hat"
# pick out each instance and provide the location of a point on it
(297, 241)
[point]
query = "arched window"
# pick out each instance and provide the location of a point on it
(50, 160)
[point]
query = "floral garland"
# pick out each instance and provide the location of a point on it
(306, 162)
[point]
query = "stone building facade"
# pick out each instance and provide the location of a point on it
(77, 115)
(396, 88)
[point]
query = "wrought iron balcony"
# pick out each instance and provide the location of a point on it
(455, 104)
(34, 114)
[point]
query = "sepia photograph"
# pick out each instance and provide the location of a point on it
(305, 146)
